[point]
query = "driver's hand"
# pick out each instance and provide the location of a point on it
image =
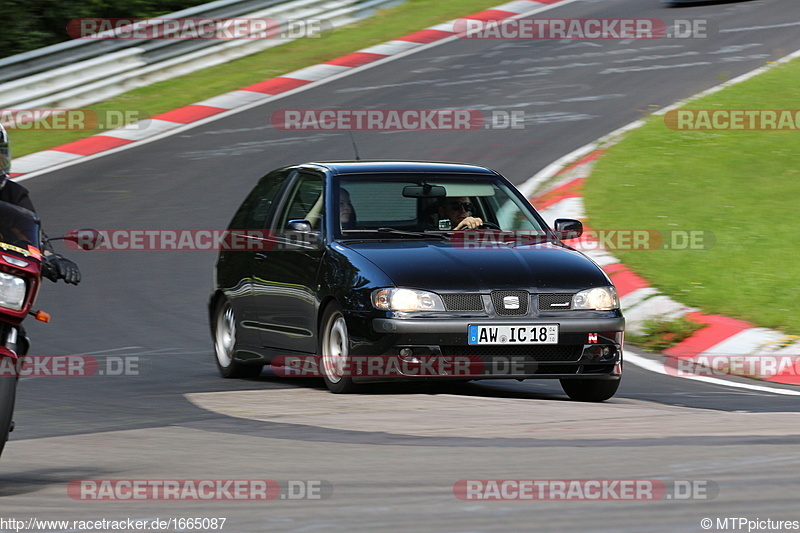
(469, 223)
(55, 267)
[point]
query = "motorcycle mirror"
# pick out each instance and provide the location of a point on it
(85, 239)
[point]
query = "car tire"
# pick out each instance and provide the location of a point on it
(225, 345)
(590, 390)
(334, 349)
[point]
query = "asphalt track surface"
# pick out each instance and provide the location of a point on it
(392, 455)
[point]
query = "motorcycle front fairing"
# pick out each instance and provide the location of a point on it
(20, 261)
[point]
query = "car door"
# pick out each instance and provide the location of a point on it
(235, 265)
(285, 277)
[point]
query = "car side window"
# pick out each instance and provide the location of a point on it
(257, 206)
(305, 201)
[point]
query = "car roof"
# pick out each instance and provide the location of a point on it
(371, 167)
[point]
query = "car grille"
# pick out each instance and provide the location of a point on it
(463, 302)
(554, 302)
(499, 302)
(554, 352)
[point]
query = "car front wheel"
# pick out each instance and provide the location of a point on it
(590, 390)
(334, 351)
(225, 345)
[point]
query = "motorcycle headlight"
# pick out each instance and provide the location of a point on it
(599, 299)
(12, 291)
(406, 300)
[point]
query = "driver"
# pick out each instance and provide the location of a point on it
(459, 211)
(54, 266)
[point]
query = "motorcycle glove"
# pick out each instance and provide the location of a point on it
(56, 267)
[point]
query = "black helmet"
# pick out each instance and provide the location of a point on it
(5, 152)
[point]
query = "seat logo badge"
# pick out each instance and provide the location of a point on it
(511, 302)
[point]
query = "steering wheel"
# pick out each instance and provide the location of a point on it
(490, 225)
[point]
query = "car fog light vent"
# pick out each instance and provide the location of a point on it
(554, 302)
(463, 302)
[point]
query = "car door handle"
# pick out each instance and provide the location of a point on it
(260, 257)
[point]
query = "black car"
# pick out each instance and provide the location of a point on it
(364, 271)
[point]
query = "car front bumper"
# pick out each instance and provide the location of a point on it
(588, 348)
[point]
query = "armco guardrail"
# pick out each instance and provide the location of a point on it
(69, 52)
(81, 72)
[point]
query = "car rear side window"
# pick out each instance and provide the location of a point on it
(256, 207)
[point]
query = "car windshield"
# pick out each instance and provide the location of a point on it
(429, 205)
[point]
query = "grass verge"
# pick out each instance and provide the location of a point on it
(740, 187)
(414, 15)
(658, 335)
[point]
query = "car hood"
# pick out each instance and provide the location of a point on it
(439, 265)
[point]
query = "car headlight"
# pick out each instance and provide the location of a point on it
(599, 298)
(406, 300)
(12, 291)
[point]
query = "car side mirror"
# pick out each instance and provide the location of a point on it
(300, 235)
(299, 226)
(568, 228)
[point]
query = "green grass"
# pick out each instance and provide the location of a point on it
(388, 24)
(744, 187)
(658, 335)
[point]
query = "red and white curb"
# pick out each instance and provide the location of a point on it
(746, 349)
(725, 345)
(162, 124)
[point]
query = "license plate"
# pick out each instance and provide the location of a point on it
(516, 334)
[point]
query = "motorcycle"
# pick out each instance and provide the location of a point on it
(21, 257)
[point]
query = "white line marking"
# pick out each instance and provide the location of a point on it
(754, 28)
(658, 368)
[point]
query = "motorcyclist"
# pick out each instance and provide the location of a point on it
(54, 266)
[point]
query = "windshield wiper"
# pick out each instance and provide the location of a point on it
(393, 231)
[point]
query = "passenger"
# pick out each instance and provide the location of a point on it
(347, 214)
(459, 212)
